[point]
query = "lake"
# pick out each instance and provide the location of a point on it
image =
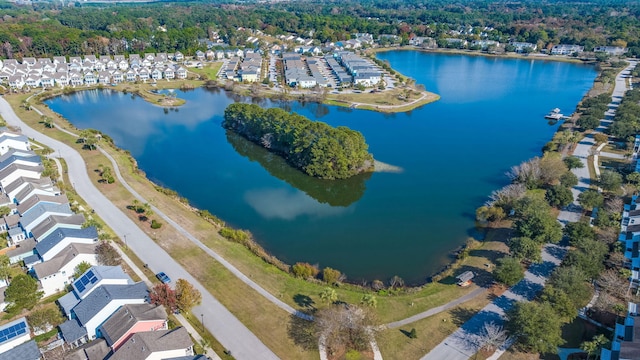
(452, 153)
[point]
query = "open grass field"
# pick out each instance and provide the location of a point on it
(210, 70)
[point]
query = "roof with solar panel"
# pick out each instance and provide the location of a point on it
(92, 277)
(13, 330)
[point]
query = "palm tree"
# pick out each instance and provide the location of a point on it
(329, 295)
(369, 300)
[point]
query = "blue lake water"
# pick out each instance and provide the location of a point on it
(453, 153)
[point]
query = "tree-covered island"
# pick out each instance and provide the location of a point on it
(314, 147)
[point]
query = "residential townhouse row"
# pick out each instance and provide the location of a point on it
(108, 317)
(626, 339)
(90, 70)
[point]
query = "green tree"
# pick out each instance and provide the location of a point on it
(304, 270)
(594, 346)
(536, 327)
(600, 138)
(80, 269)
(633, 178)
(4, 211)
(490, 213)
(569, 180)
(369, 300)
(610, 180)
(588, 122)
(588, 257)
(329, 295)
(559, 196)
(22, 293)
(331, 276)
(560, 302)
(573, 162)
(509, 271)
(5, 267)
(572, 281)
(45, 317)
(578, 232)
(590, 199)
(187, 296)
(536, 221)
(524, 248)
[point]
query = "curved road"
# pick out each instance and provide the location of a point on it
(233, 335)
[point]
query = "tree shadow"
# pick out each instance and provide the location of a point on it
(459, 315)
(302, 332)
(406, 333)
(304, 301)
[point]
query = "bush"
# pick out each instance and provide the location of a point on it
(413, 334)
(353, 355)
(304, 270)
(156, 224)
(331, 276)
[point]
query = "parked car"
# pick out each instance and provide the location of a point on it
(164, 278)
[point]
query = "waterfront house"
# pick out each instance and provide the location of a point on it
(58, 240)
(47, 81)
(54, 222)
(523, 46)
(611, 50)
(130, 75)
(161, 344)
(90, 312)
(143, 74)
(564, 49)
(29, 61)
(131, 319)
(104, 78)
(75, 79)
(32, 189)
(626, 338)
(169, 73)
(181, 73)
(16, 82)
(61, 79)
(56, 273)
(90, 79)
(156, 74)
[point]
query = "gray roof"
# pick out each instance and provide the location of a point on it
(31, 259)
(40, 209)
(32, 201)
(127, 317)
(26, 192)
(14, 167)
(102, 296)
(22, 138)
(54, 265)
(26, 351)
(194, 357)
(52, 221)
(100, 273)
(142, 344)
(68, 302)
(53, 239)
(72, 330)
(94, 350)
(42, 182)
(35, 159)
(12, 220)
(23, 247)
(19, 153)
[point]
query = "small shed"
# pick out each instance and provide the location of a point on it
(465, 278)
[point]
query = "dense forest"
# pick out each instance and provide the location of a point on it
(314, 147)
(50, 29)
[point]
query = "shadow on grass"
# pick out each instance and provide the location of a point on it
(304, 301)
(460, 315)
(302, 332)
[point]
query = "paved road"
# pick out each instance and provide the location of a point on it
(221, 323)
(464, 342)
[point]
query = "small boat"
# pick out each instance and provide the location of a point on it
(554, 115)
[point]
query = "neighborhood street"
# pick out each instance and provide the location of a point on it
(464, 342)
(242, 343)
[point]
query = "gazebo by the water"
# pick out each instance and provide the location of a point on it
(465, 278)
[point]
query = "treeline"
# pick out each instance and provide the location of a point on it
(314, 147)
(627, 120)
(48, 29)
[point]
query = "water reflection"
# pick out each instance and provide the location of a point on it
(284, 204)
(332, 192)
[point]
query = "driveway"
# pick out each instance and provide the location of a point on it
(233, 335)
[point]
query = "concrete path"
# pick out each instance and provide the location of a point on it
(465, 342)
(220, 322)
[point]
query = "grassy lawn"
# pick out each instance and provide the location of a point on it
(258, 314)
(398, 98)
(613, 164)
(210, 70)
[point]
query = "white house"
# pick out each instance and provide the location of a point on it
(10, 140)
(40, 212)
(53, 222)
(60, 239)
(57, 272)
(564, 49)
(14, 333)
(15, 171)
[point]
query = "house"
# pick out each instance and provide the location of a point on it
(59, 60)
(210, 55)
(131, 319)
(485, 44)
(90, 78)
(36, 199)
(54, 222)
(15, 156)
(25, 351)
(626, 339)
(564, 49)
(33, 81)
(178, 56)
(60, 239)
(169, 73)
(161, 344)
(465, 278)
(611, 50)
(21, 251)
(76, 79)
(181, 73)
(143, 74)
(104, 78)
(13, 189)
(156, 74)
(96, 349)
(13, 334)
(46, 81)
(10, 140)
(56, 273)
(14, 171)
(130, 75)
(200, 55)
(29, 61)
(61, 79)
(40, 212)
(523, 46)
(98, 306)
(117, 76)
(16, 82)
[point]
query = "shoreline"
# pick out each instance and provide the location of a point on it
(543, 57)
